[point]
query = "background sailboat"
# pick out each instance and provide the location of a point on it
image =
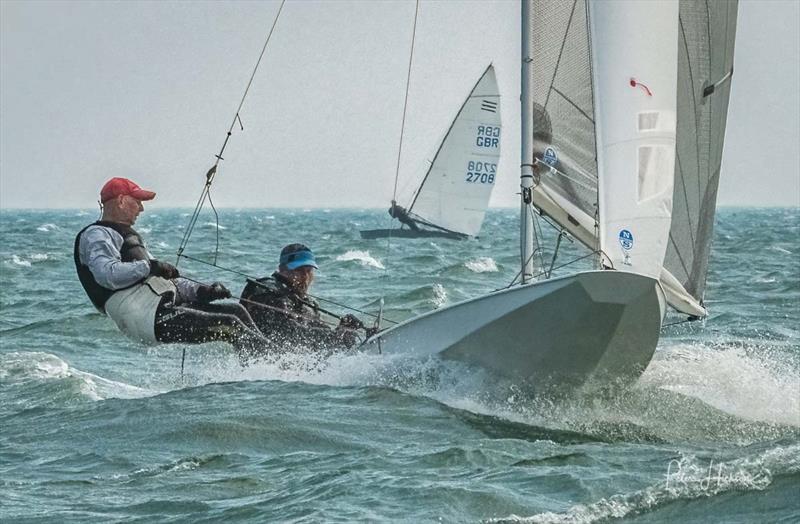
(452, 198)
(601, 117)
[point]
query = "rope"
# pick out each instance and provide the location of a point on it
(590, 183)
(205, 193)
(538, 234)
(561, 235)
(273, 308)
(279, 310)
(267, 306)
(546, 272)
(255, 279)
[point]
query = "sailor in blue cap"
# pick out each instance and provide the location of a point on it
(281, 307)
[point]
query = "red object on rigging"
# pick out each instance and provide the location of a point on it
(634, 83)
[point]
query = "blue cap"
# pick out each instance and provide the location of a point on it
(297, 255)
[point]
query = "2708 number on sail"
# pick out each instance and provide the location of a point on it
(481, 172)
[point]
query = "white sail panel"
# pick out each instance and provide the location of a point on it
(635, 57)
(455, 192)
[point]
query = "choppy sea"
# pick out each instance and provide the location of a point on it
(97, 428)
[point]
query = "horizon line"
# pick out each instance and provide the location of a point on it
(301, 208)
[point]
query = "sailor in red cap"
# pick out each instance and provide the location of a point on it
(147, 298)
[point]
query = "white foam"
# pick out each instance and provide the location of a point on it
(439, 295)
(46, 228)
(482, 265)
(22, 367)
(37, 257)
(146, 230)
(762, 279)
(214, 225)
(19, 261)
(210, 365)
(757, 388)
(362, 257)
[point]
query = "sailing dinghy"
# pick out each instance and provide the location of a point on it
(622, 125)
(452, 199)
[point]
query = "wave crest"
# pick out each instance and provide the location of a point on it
(362, 257)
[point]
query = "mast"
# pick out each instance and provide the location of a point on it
(526, 150)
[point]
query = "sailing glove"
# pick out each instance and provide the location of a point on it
(215, 291)
(350, 322)
(163, 269)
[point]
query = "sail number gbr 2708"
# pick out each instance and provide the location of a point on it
(481, 172)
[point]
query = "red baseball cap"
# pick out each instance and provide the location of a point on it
(122, 186)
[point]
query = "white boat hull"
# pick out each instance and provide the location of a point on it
(595, 326)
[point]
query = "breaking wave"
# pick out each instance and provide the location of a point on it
(48, 380)
(362, 257)
(482, 265)
(15, 259)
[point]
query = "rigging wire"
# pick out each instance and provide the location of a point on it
(405, 102)
(544, 272)
(538, 234)
(205, 193)
(397, 166)
(216, 222)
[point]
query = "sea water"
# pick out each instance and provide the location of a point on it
(96, 427)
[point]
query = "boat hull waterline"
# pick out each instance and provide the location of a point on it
(589, 328)
(371, 234)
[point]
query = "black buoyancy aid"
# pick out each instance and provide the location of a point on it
(132, 249)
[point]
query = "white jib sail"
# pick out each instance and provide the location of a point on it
(635, 57)
(455, 192)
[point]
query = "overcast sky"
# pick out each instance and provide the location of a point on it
(146, 90)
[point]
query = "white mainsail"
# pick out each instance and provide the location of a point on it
(456, 189)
